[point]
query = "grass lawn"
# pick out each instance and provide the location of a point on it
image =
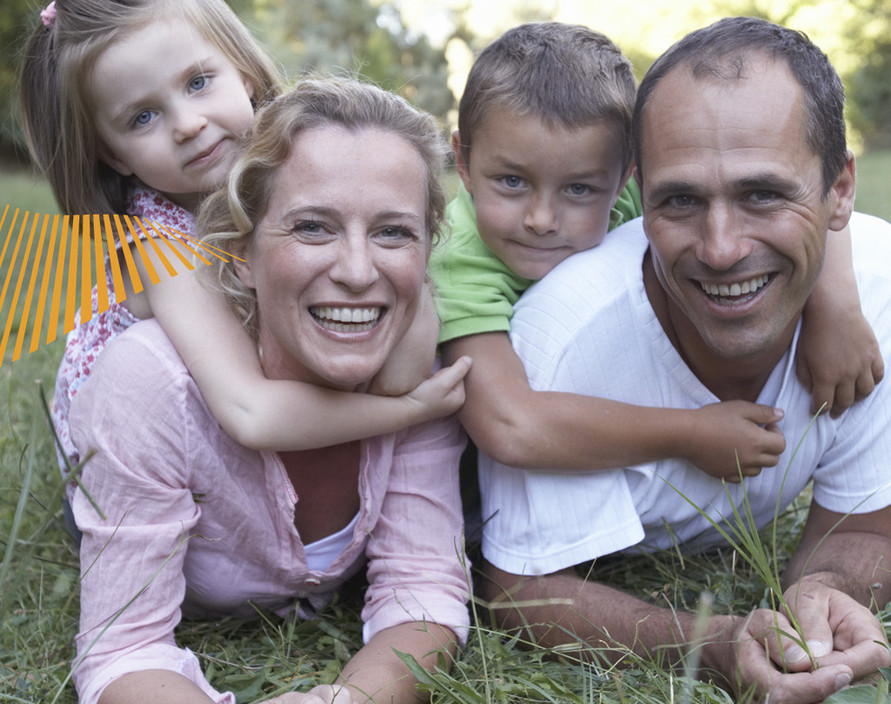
(265, 656)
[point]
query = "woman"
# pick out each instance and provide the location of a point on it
(330, 211)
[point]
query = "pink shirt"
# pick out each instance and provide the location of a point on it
(206, 524)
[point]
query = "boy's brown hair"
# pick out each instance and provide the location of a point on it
(566, 75)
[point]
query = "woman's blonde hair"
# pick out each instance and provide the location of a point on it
(229, 216)
(54, 86)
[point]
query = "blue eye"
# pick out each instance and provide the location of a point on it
(198, 83)
(512, 181)
(144, 117)
(579, 189)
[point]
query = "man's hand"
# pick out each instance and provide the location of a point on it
(764, 653)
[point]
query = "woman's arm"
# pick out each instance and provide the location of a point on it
(529, 429)
(838, 357)
(377, 674)
(262, 414)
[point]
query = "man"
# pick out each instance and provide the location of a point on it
(744, 172)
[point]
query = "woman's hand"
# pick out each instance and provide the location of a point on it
(322, 694)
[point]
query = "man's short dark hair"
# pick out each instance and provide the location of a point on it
(721, 51)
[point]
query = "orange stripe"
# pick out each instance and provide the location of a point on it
(70, 305)
(23, 323)
(124, 247)
(137, 240)
(44, 284)
(29, 297)
(57, 287)
(119, 293)
(101, 281)
(12, 264)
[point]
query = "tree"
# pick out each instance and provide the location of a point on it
(355, 37)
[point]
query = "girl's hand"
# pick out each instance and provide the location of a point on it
(736, 438)
(443, 393)
(411, 360)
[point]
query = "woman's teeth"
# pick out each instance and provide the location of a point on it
(346, 319)
(729, 291)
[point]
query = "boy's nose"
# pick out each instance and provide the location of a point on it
(540, 217)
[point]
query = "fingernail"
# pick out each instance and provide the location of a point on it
(794, 653)
(818, 648)
(842, 680)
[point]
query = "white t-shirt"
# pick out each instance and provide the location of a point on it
(588, 328)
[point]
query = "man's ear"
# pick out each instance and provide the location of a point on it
(461, 164)
(842, 196)
(107, 157)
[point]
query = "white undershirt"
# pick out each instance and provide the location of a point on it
(322, 553)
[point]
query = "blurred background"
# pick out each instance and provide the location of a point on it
(423, 49)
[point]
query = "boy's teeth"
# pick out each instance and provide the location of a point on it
(725, 291)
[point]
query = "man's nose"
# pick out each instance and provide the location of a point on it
(723, 241)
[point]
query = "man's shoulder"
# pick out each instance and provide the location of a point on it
(591, 279)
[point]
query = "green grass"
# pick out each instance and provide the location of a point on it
(266, 656)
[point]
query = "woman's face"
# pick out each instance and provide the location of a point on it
(338, 260)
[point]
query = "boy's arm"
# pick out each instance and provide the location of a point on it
(261, 413)
(838, 357)
(529, 429)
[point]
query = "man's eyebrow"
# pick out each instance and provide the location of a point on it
(670, 188)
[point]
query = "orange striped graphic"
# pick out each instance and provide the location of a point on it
(67, 256)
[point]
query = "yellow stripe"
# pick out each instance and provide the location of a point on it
(44, 285)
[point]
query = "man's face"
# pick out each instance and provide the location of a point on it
(734, 210)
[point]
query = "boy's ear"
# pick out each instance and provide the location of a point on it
(461, 164)
(842, 196)
(109, 159)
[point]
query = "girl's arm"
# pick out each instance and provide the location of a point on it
(529, 429)
(838, 357)
(261, 413)
(412, 359)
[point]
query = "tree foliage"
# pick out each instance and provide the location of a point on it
(355, 37)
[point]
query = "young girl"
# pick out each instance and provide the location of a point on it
(137, 107)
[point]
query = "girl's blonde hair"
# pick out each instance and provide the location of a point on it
(229, 216)
(54, 86)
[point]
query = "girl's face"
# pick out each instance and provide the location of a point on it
(169, 107)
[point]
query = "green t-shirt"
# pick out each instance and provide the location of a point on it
(475, 290)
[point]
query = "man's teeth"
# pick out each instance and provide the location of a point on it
(745, 287)
(347, 319)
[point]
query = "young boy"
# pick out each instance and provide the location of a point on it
(543, 149)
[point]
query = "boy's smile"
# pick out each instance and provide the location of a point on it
(541, 193)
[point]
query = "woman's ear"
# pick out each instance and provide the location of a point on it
(241, 259)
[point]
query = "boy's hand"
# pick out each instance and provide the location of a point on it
(443, 393)
(736, 438)
(839, 365)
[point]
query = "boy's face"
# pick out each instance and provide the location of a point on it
(541, 194)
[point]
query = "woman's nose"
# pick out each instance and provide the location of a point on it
(355, 266)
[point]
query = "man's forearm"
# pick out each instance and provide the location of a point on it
(849, 553)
